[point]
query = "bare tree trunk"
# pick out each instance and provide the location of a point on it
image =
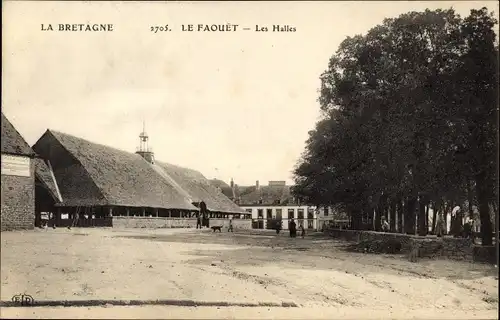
(427, 217)
(495, 208)
(435, 214)
(411, 205)
(378, 215)
(392, 214)
(470, 198)
(356, 219)
(422, 231)
(484, 210)
(400, 213)
(445, 216)
(369, 214)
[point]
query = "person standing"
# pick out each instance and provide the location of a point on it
(385, 225)
(456, 222)
(198, 221)
(203, 213)
(302, 231)
(439, 225)
(230, 229)
(278, 226)
(44, 220)
(292, 226)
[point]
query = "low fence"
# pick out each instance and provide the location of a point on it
(422, 247)
(81, 223)
(271, 223)
(164, 222)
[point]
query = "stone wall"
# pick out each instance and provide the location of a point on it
(161, 222)
(487, 254)
(18, 202)
(237, 223)
(362, 236)
(420, 247)
(445, 247)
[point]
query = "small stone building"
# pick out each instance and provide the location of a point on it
(18, 180)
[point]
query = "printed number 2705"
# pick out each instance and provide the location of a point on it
(156, 29)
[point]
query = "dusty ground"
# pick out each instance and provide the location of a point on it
(314, 273)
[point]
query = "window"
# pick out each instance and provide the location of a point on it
(291, 213)
(269, 213)
(249, 210)
(260, 201)
(301, 214)
(310, 214)
(326, 211)
(278, 214)
(260, 213)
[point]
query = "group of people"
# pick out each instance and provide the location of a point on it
(292, 228)
(457, 229)
(203, 221)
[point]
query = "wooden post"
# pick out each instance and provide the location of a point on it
(110, 212)
(156, 212)
(58, 216)
(128, 212)
(143, 212)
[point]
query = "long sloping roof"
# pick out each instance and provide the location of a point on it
(12, 141)
(251, 195)
(126, 179)
(268, 194)
(123, 178)
(44, 173)
(200, 188)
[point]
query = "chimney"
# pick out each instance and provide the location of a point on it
(257, 184)
(233, 190)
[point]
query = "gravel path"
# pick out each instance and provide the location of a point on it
(247, 267)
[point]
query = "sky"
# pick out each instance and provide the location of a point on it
(229, 104)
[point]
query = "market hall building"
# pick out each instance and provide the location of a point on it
(27, 184)
(112, 187)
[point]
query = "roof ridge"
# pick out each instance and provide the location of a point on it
(87, 140)
(171, 181)
(55, 181)
(47, 187)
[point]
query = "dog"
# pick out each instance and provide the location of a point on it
(215, 228)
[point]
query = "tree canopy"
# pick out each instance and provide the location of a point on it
(409, 116)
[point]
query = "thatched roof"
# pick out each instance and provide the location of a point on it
(225, 188)
(44, 173)
(93, 174)
(219, 183)
(12, 141)
(199, 188)
(268, 194)
(251, 195)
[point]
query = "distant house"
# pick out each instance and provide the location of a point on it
(269, 203)
(273, 202)
(28, 186)
(102, 181)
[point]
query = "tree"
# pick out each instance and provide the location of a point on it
(407, 116)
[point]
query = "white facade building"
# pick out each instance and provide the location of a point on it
(275, 201)
(301, 214)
